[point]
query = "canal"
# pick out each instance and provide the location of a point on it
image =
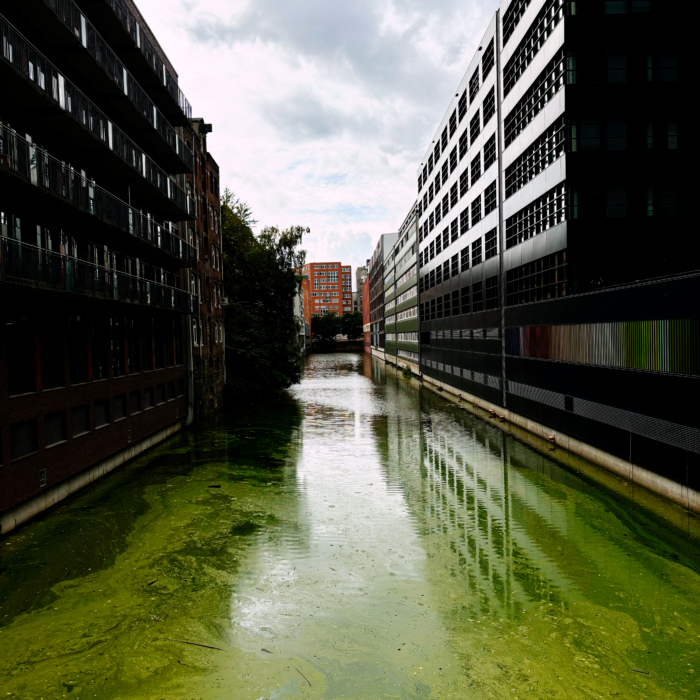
(359, 537)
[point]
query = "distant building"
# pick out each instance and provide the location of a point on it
(304, 334)
(376, 291)
(356, 302)
(360, 275)
(327, 288)
(365, 315)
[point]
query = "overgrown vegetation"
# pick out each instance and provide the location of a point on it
(261, 282)
(326, 327)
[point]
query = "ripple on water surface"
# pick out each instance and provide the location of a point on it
(361, 538)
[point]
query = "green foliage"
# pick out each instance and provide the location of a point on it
(326, 327)
(406, 371)
(261, 282)
(351, 325)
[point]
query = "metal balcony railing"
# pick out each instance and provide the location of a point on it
(26, 60)
(128, 21)
(84, 31)
(34, 165)
(26, 264)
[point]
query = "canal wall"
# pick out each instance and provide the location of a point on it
(682, 495)
(14, 517)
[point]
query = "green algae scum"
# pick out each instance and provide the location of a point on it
(360, 537)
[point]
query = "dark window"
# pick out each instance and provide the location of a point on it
(438, 182)
(463, 183)
(119, 407)
(446, 204)
(438, 275)
(455, 265)
(444, 139)
(135, 402)
(438, 245)
(118, 365)
(431, 221)
(569, 403)
(541, 279)
(489, 106)
(445, 171)
(462, 106)
(668, 201)
(420, 182)
(617, 66)
(21, 351)
(616, 202)
(80, 420)
(487, 60)
(171, 390)
(438, 214)
(436, 153)
(490, 198)
(439, 307)
(492, 292)
(476, 252)
(453, 159)
(477, 297)
(160, 393)
(23, 439)
(455, 303)
(430, 163)
(464, 221)
(100, 347)
(432, 279)
(101, 413)
(445, 238)
(474, 126)
(431, 192)
(491, 244)
(615, 7)
(465, 258)
(181, 387)
(512, 16)
(432, 310)
(454, 195)
(463, 144)
(474, 85)
(538, 216)
(51, 349)
(616, 134)
(489, 152)
(476, 210)
(446, 270)
(42, 477)
(667, 70)
(590, 136)
(446, 305)
(453, 124)
(454, 231)
(465, 299)
(55, 428)
(476, 168)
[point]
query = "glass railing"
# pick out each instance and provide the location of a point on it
(26, 264)
(34, 165)
(29, 62)
(69, 13)
(129, 22)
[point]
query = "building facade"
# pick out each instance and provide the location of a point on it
(360, 275)
(208, 368)
(542, 202)
(94, 280)
(366, 326)
(327, 288)
(376, 291)
(401, 297)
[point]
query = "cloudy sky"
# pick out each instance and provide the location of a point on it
(322, 109)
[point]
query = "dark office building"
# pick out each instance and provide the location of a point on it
(376, 291)
(557, 280)
(94, 287)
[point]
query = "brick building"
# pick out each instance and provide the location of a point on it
(95, 300)
(206, 279)
(327, 288)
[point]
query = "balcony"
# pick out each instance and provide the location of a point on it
(76, 200)
(120, 27)
(81, 123)
(24, 264)
(62, 25)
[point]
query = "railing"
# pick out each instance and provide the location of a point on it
(128, 21)
(25, 59)
(36, 166)
(69, 13)
(26, 264)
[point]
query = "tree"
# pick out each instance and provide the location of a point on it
(261, 281)
(325, 327)
(351, 325)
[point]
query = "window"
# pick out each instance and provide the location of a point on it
(148, 398)
(445, 238)
(455, 303)
(171, 390)
(541, 279)
(492, 292)
(544, 151)
(135, 402)
(455, 265)
(462, 108)
(476, 168)
(454, 195)
(476, 210)
(453, 159)
(616, 202)
(463, 144)
(444, 139)
(489, 152)
(464, 221)
(454, 231)
(667, 70)
(487, 60)
(512, 16)
(672, 132)
(477, 297)
(538, 216)
(438, 214)
(119, 407)
(446, 204)
(55, 428)
(465, 299)
(617, 66)
(23, 439)
(438, 275)
(446, 270)
(668, 201)
(489, 105)
(474, 126)
(616, 134)
(430, 163)
(476, 252)
(431, 248)
(101, 413)
(436, 153)
(463, 183)
(453, 124)
(433, 313)
(543, 25)
(491, 244)
(465, 259)
(490, 198)
(160, 394)
(80, 420)
(181, 387)
(474, 85)
(615, 7)
(439, 307)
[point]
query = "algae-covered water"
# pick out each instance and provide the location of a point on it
(360, 537)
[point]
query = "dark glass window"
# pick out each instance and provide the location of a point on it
(463, 183)
(462, 107)
(465, 258)
(80, 420)
(476, 252)
(616, 205)
(616, 136)
(119, 407)
(23, 438)
(487, 60)
(491, 244)
(489, 152)
(541, 279)
(617, 66)
(463, 144)
(474, 85)
(55, 428)
(465, 299)
(446, 305)
(455, 303)
(101, 413)
(464, 221)
(476, 210)
(475, 126)
(135, 402)
(538, 216)
(454, 231)
(453, 159)
(476, 169)
(453, 123)
(455, 265)
(489, 105)
(477, 297)
(492, 292)
(490, 198)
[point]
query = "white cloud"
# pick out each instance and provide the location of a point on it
(321, 110)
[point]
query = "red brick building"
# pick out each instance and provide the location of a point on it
(328, 289)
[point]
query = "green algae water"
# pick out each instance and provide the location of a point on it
(359, 537)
